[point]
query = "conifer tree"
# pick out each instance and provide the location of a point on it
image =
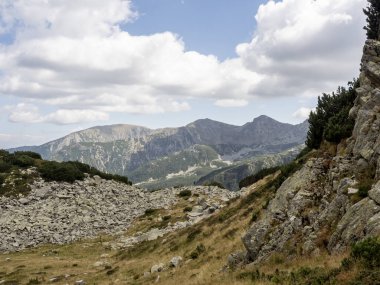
(373, 19)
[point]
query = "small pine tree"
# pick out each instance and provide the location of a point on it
(373, 19)
(330, 120)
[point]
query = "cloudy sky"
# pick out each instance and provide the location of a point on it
(67, 65)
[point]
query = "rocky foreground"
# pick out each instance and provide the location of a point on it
(61, 212)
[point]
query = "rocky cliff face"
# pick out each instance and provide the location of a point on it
(317, 208)
(129, 150)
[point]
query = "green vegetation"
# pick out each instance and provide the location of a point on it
(367, 252)
(330, 120)
(198, 251)
(14, 179)
(373, 19)
(60, 171)
(185, 193)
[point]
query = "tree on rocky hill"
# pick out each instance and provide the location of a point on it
(330, 120)
(373, 19)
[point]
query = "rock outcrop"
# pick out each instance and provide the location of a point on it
(314, 209)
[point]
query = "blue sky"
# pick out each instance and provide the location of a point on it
(70, 65)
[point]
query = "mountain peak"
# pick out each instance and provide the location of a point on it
(263, 118)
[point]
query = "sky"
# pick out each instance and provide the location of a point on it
(67, 65)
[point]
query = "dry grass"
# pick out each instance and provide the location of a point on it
(220, 235)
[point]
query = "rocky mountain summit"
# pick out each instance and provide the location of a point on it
(60, 212)
(334, 200)
(174, 156)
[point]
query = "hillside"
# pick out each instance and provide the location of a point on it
(173, 156)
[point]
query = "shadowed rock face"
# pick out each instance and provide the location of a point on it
(128, 150)
(312, 210)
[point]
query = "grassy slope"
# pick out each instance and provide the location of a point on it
(220, 235)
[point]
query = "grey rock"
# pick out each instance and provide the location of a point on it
(23, 201)
(374, 193)
(176, 261)
(236, 259)
(157, 268)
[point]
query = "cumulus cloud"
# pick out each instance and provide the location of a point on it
(302, 113)
(231, 103)
(75, 57)
(301, 47)
(29, 113)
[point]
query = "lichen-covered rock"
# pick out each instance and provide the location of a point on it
(313, 208)
(61, 212)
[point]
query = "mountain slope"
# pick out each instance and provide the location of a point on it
(130, 150)
(334, 199)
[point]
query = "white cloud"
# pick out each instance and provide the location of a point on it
(302, 113)
(28, 113)
(74, 57)
(231, 103)
(304, 46)
(12, 140)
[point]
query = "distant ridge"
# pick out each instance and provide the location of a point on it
(182, 154)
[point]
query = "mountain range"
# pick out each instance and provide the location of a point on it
(200, 152)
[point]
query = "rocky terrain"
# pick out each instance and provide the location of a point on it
(58, 213)
(334, 200)
(174, 156)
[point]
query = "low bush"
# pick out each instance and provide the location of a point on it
(30, 154)
(23, 161)
(198, 251)
(5, 167)
(368, 252)
(149, 212)
(185, 193)
(60, 171)
(363, 187)
(188, 209)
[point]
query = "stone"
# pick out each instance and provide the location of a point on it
(80, 282)
(101, 263)
(157, 268)
(176, 261)
(236, 259)
(352, 191)
(23, 201)
(374, 193)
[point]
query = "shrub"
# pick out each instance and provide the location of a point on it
(188, 209)
(166, 218)
(368, 252)
(149, 212)
(60, 171)
(185, 193)
(5, 166)
(31, 154)
(23, 161)
(364, 187)
(198, 251)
